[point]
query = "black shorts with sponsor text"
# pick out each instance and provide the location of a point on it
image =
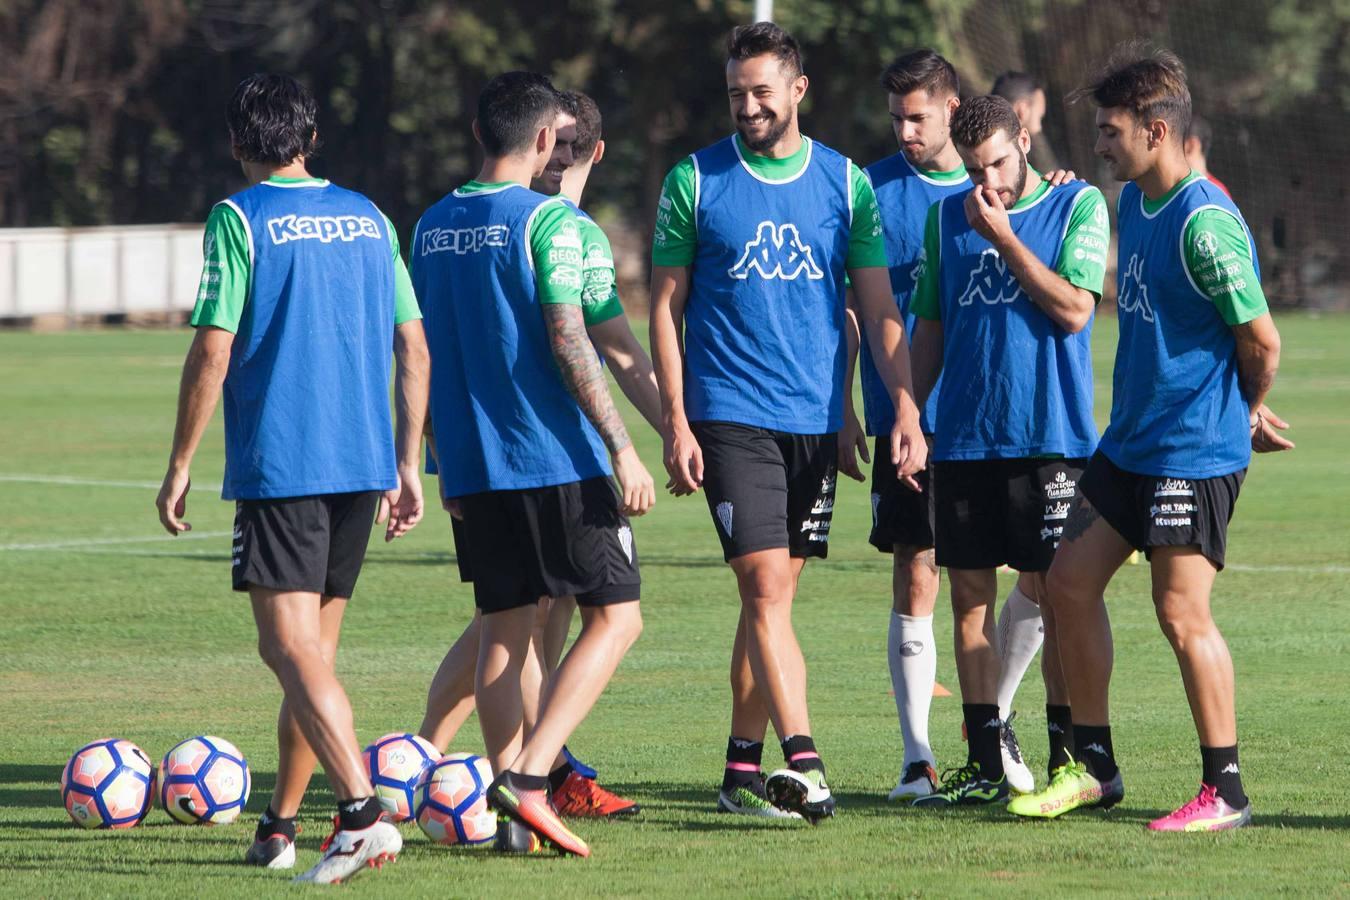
(1156, 511)
(555, 541)
(768, 489)
(900, 516)
(995, 512)
(313, 544)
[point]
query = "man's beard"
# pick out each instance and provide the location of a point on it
(1021, 184)
(777, 128)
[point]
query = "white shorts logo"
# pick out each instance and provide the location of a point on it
(777, 251)
(626, 542)
(724, 516)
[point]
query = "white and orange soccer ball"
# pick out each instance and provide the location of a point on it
(108, 784)
(204, 781)
(452, 801)
(396, 764)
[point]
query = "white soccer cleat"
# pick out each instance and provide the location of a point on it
(347, 853)
(1020, 779)
(918, 780)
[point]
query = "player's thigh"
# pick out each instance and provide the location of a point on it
(811, 467)
(970, 506)
(331, 612)
(1183, 581)
(288, 622)
(746, 487)
(1090, 551)
(972, 588)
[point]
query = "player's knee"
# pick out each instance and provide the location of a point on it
(281, 654)
(1182, 622)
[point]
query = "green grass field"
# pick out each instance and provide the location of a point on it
(111, 628)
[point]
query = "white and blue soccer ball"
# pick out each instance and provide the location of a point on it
(396, 764)
(204, 780)
(452, 804)
(108, 784)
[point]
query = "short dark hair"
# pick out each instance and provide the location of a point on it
(1014, 86)
(1202, 131)
(271, 119)
(761, 38)
(926, 69)
(512, 108)
(976, 120)
(1149, 82)
(587, 114)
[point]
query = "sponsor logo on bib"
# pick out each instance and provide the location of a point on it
(991, 283)
(324, 229)
(1133, 291)
(777, 251)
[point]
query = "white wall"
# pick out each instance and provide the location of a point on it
(93, 271)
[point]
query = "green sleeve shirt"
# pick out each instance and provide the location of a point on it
(1218, 260)
(1082, 256)
(599, 293)
(675, 238)
(555, 244)
(227, 271)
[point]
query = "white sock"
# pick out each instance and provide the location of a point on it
(1019, 637)
(913, 658)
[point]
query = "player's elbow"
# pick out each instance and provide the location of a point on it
(1075, 321)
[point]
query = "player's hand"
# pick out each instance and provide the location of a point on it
(909, 451)
(684, 460)
(1059, 176)
(852, 444)
(985, 213)
(636, 487)
(1266, 428)
(172, 501)
(402, 507)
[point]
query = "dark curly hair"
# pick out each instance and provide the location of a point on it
(271, 119)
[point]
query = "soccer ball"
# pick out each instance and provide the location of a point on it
(452, 801)
(396, 763)
(204, 781)
(108, 784)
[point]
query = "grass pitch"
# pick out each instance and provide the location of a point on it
(113, 629)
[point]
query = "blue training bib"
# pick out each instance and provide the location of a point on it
(764, 339)
(904, 195)
(307, 393)
(502, 417)
(1014, 384)
(1177, 408)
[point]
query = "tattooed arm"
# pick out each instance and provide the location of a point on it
(580, 370)
(581, 373)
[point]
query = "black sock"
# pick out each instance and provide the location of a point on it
(358, 813)
(271, 824)
(982, 733)
(743, 763)
(1092, 748)
(558, 776)
(1221, 770)
(800, 752)
(518, 782)
(1059, 725)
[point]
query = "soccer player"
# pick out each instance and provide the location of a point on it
(753, 238)
(303, 294)
(1197, 355)
(1013, 269)
(523, 422)
(1199, 138)
(1027, 97)
(573, 788)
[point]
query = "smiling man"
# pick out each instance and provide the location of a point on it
(1013, 271)
(753, 238)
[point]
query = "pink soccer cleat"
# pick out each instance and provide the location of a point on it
(1207, 812)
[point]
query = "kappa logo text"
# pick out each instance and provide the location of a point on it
(991, 283)
(464, 240)
(1133, 291)
(325, 229)
(777, 252)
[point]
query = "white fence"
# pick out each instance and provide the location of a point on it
(97, 271)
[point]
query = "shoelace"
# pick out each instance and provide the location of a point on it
(955, 779)
(1009, 738)
(1070, 769)
(1207, 795)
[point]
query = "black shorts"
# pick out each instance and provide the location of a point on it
(314, 544)
(1153, 511)
(768, 489)
(899, 515)
(996, 512)
(565, 539)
